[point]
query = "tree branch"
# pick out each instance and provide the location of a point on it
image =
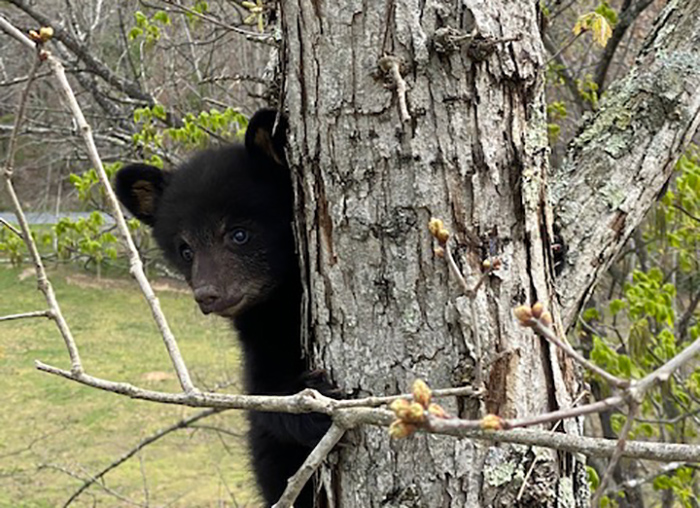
(135, 263)
(350, 416)
(25, 315)
(625, 154)
(42, 280)
(621, 443)
(316, 457)
(184, 423)
(94, 65)
(629, 13)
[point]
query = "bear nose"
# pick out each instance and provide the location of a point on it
(207, 297)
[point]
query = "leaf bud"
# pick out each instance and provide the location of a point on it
(435, 225)
(438, 230)
(537, 309)
(546, 318)
(421, 392)
(400, 429)
(437, 411)
(45, 33)
(524, 314)
(492, 422)
(399, 405)
(415, 413)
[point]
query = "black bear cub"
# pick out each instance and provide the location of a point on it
(224, 219)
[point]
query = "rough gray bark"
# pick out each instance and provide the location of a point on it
(381, 308)
(617, 167)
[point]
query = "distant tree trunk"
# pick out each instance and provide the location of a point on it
(382, 308)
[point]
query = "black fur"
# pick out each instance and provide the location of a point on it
(197, 213)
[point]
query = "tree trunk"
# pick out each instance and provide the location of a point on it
(381, 308)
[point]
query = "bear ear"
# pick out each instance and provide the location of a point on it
(266, 139)
(139, 188)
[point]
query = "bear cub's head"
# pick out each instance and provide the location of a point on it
(223, 218)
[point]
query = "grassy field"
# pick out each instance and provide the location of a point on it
(55, 433)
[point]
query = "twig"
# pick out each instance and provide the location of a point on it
(563, 48)
(144, 478)
(547, 332)
(636, 482)
(109, 491)
(465, 391)
(184, 423)
(629, 12)
(349, 417)
(660, 375)
(564, 67)
(76, 47)
(296, 483)
(25, 315)
(456, 272)
(562, 414)
(253, 36)
(10, 226)
(135, 263)
(12, 31)
(391, 65)
(621, 442)
(42, 280)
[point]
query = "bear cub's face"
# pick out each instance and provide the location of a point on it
(223, 218)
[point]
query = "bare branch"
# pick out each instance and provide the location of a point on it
(548, 333)
(42, 280)
(660, 375)
(571, 412)
(253, 36)
(316, 457)
(184, 423)
(629, 13)
(349, 417)
(10, 226)
(621, 442)
(25, 315)
(109, 491)
(135, 263)
(94, 65)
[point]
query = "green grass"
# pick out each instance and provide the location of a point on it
(50, 426)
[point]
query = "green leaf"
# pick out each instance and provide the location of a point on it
(616, 306)
(141, 19)
(135, 33)
(593, 478)
(625, 365)
(662, 482)
(162, 17)
(159, 111)
(591, 314)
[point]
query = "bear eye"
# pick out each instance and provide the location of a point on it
(239, 236)
(186, 253)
